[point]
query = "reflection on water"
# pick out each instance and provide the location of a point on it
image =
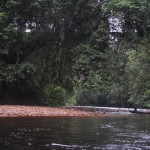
(73, 133)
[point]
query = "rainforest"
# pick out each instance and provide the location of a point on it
(75, 52)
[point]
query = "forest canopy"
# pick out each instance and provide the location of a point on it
(75, 52)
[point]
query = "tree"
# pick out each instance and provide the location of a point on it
(83, 49)
(138, 72)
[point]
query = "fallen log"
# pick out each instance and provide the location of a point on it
(139, 112)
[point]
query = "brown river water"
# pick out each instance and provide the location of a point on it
(122, 132)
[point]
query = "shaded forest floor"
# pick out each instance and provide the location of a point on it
(31, 111)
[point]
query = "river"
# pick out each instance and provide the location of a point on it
(120, 132)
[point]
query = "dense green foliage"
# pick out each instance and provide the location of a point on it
(85, 52)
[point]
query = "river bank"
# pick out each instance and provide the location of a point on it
(109, 110)
(35, 111)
